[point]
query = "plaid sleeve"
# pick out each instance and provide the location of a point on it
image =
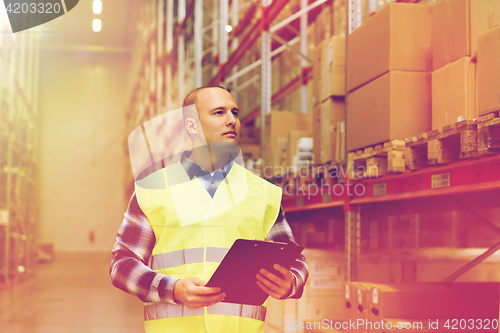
(281, 232)
(131, 252)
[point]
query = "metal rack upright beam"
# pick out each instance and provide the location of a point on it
(265, 71)
(198, 42)
(169, 45)
(181, 16)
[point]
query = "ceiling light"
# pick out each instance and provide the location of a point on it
(229, 28)
(97, 6)
(96, 25)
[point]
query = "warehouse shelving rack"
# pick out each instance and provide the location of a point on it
(167, 54)
(19, 63)
(479, 177)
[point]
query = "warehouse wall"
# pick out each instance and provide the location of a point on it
(82, 97)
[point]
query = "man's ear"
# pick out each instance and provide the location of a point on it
(190, 124)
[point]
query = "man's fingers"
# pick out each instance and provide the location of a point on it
(267, 290)
(197, 281)
(281, 269)
(270, 276)
(205, 290)
(215, 298)
(270, 284)
(198, 301)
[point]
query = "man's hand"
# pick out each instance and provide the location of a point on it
(193, 293)
(276, 286)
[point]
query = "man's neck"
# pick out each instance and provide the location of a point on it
(208, 159)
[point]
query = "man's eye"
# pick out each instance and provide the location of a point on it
(235, 113)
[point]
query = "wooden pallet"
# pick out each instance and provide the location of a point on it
(442, 146)
(376, 161)
(488, 134)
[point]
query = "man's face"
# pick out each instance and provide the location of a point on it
(218, 115)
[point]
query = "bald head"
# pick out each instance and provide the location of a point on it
(192, 97)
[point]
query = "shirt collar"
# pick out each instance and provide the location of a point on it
(192, 168)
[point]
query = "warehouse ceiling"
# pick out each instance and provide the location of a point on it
(74, 29)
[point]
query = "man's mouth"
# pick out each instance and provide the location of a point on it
(230, 133)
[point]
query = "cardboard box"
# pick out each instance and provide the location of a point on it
(326, 275)
(326, 118)
(317, 133)
(252, 150)
(451, 38)
(293, 137)
(323, 25)
(350, 302)
(485, 14)
(280, 156)
(320, 307)
(410, 301)
(316, 68)
(394, 106)
(332, 68)
(279, 124)
(249, 135)
(456, 26)
(488, 71)
(397, 38)
(329, 69)
(280, 314)
(339, 17)
(362, 309)
(432, 300)
(454, 93)
(298, 316)
(323, 296)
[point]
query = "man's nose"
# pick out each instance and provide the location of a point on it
(230, 119)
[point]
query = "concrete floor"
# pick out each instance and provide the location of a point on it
(72, 294)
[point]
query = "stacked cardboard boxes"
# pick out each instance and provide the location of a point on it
(339, 17)
(250, 142)
(417, 307)
(329, 69)
(454, 93)
(278, 125)
(488, 71)
(454, 73)
(329, 131)
(487, 18)
(322, 299)
(457, 28)
(323, 26)
(398, 39)
(328, 100)
(389, 59)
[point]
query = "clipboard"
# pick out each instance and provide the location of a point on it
(236, 274)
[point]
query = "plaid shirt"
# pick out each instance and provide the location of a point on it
(135, 242)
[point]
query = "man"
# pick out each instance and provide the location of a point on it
(176, 232)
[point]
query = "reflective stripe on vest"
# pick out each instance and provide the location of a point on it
(167, 310)
(186, 256)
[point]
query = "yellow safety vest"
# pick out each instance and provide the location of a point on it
(194, 232)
